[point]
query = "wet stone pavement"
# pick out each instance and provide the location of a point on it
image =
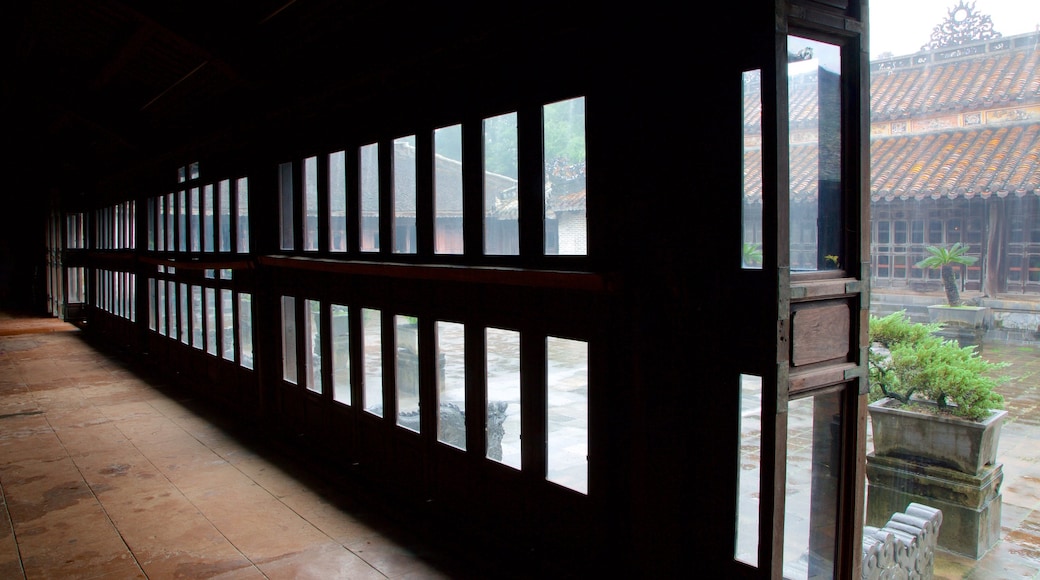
(1017, 554)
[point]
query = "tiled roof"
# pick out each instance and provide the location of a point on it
(963, 121)
(988, 74)
(991, 161)
(944, 123)
(982, 162)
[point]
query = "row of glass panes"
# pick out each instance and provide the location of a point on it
(563, 150)
(201, 219)
(114, 292)
(204, 318)
(896, 231)
(75, 236)
(115, 227)
(567, 376)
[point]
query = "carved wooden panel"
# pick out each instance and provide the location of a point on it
(820, 333)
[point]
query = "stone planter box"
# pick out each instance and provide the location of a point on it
(943, 462)
(966, 316)
(950, 442)
(965, 324)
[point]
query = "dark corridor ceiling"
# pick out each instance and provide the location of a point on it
(95, 86)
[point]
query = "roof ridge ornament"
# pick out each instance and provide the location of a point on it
(963, 24)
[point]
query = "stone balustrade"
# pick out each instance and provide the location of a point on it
(904, 547)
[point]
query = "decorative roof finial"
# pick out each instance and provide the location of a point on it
(962, 24)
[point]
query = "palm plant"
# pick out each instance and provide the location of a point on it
(945, 259)
(752, 255)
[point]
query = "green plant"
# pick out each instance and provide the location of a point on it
(908, 363)
(945, 259)
(752, 254)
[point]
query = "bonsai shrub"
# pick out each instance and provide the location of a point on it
(944, 259)
(910, 364)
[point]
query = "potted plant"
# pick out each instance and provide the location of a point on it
(919, 374)
(935, 420)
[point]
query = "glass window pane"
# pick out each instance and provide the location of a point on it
(172, 322)
(209, 220)
(917, 232)
(131, 296)
(501, 204)
(814, 103)
(447, 190)
(195, 221)
(224, 208)
(242, 194)
(312, 335)
(750, 469)
(160, 225)
(170, 218)
(245, 330)
(185, 314)
(160, 305)
(370, 198)
(372, 345)
(954, 230)
(285, 195)
(406, 333)
(151, 223)
(567, 412)
(227, 325)
(451, 383)
(196, 317)
(310, 203)
(337, 202)
(404, 195)
(811, 491)
(182, 221)
(502, 422)
(131, 225)
(883, 232)
(211, 321)
(751, 239)
(289, 373)
(899, 235)
(151, 304)
(340, 354)
(563, 149)
(935, 231)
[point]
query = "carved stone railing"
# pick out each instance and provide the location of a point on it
(452, 425)
(904, 547)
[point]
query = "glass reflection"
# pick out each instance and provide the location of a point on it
(814, 118)
(811, 490)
